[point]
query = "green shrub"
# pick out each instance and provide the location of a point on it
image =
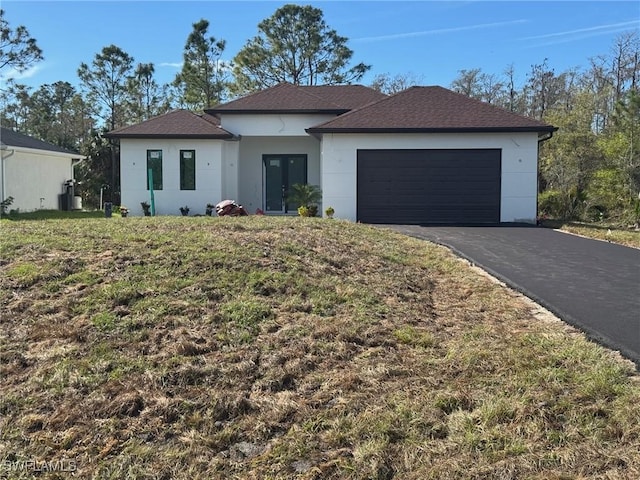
(4, 205)
(305, 195)
(561, 204)
(329, 212)
(606, 194)
(550, 204)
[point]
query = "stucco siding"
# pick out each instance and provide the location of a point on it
(235, 170)
(251, 170)
(518, 175)
(271, 125)
(230, 164)
(211, 175)
(34, 178)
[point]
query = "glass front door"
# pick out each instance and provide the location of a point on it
(280, 173)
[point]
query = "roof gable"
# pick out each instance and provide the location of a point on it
(175, 124)
(430, 109)
(14, 139)
(289, 98)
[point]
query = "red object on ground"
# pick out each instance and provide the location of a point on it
(229, 208)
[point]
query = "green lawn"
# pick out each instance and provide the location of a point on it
(53, 215)
(283, 348)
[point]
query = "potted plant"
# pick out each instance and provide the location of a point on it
(124, 211)
(146, 208)
(4, 205)
(184, 210)
(329, 212)
(308, 196)
(209, 211)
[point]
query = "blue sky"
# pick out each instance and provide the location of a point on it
(432, 40)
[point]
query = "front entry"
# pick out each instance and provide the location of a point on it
(280, 173)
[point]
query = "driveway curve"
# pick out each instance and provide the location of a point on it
(590, 284)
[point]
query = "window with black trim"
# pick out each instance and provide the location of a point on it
(187, 169)
(154, 163)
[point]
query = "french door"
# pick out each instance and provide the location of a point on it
(280, 173)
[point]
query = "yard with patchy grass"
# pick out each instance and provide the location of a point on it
(284, 348)
(629, 237)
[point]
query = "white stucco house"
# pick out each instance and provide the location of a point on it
(424, 155)
(35, 173)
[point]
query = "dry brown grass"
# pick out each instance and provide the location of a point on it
(629, 237)
(290, 348)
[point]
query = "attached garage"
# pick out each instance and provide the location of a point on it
(435, 186)
(428, 155)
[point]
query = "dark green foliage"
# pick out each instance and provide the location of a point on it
(304, 194)
(146, 97)
(295, 45)
(106, 82)
(202, 79)
(95, 172)
(4, 205)
(606, 192)
(597, 111)
(60, 115)
(17, 49)
(306, 197)
(561, 204)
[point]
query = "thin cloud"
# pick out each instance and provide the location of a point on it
(170, 64)
(438, 31)
(222, 64)
(598, 30)
(14, 74)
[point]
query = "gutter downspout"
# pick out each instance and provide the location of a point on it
(3, 149)
(545, 137)
(74, 162)
(541, 139)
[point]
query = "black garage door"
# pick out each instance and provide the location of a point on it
(429, 186)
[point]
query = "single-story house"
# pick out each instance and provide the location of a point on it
(424, 155)
(37, 174)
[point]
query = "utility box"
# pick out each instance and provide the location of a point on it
(66, 199)
(62, 202)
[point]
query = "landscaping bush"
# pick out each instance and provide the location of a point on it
(606, 194)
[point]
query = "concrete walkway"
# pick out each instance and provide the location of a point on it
(590, 284)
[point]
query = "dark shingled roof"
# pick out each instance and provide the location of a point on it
(347, 96)
(175, 124)
(430, 109)
(15, 139)
(288, 98)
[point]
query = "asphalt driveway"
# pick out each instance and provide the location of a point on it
(590, 284)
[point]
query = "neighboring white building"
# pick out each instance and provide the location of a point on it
(424, 155)
(33, 172)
